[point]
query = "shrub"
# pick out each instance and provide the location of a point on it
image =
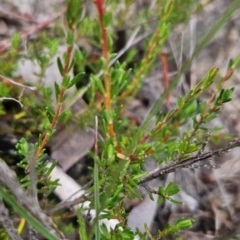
(174, 134)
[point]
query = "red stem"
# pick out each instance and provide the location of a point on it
(165, 76)
(100, 7)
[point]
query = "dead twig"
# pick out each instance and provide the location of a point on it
(12, 99)
(66, 204)
(35, 29)
(16, 17)
(17, 83)
(172, 167)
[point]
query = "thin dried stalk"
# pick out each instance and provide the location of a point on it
(172, 167)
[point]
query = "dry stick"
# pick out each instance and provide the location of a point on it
(17, 83)
(172, 167)
(9, 179)
(129, 44)
(12, 99)
(35, 29)
(33, 234)
(66, 204)
(32, 173)
(201, 151)
(16, 17)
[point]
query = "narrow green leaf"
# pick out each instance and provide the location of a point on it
(160, 199)
(82, 226)
(118, 190)
(53, 47)
(105, 231)
(132, 182)
(57, 90)
(100, 86)
(230, 63)
(208, 80)
(62, 116)
(173, 190)
(26, 215)
(71, 66)
(16, 40)
(74, 11)
(175, 201)
(138, 175)
(133, 192)
(70, 38)
(161, 191)
(180, 102)
(151, 196)
(110, 151)
(236, 62)
(50, 114)
(76, 79)
(107, 18)
(66, 81)
(169, 186)
(64, 97)
(108, 116)
(184, 223)
(60, 66)
(49, 169)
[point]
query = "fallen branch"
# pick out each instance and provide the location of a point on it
(172, 167)
(36, 28)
